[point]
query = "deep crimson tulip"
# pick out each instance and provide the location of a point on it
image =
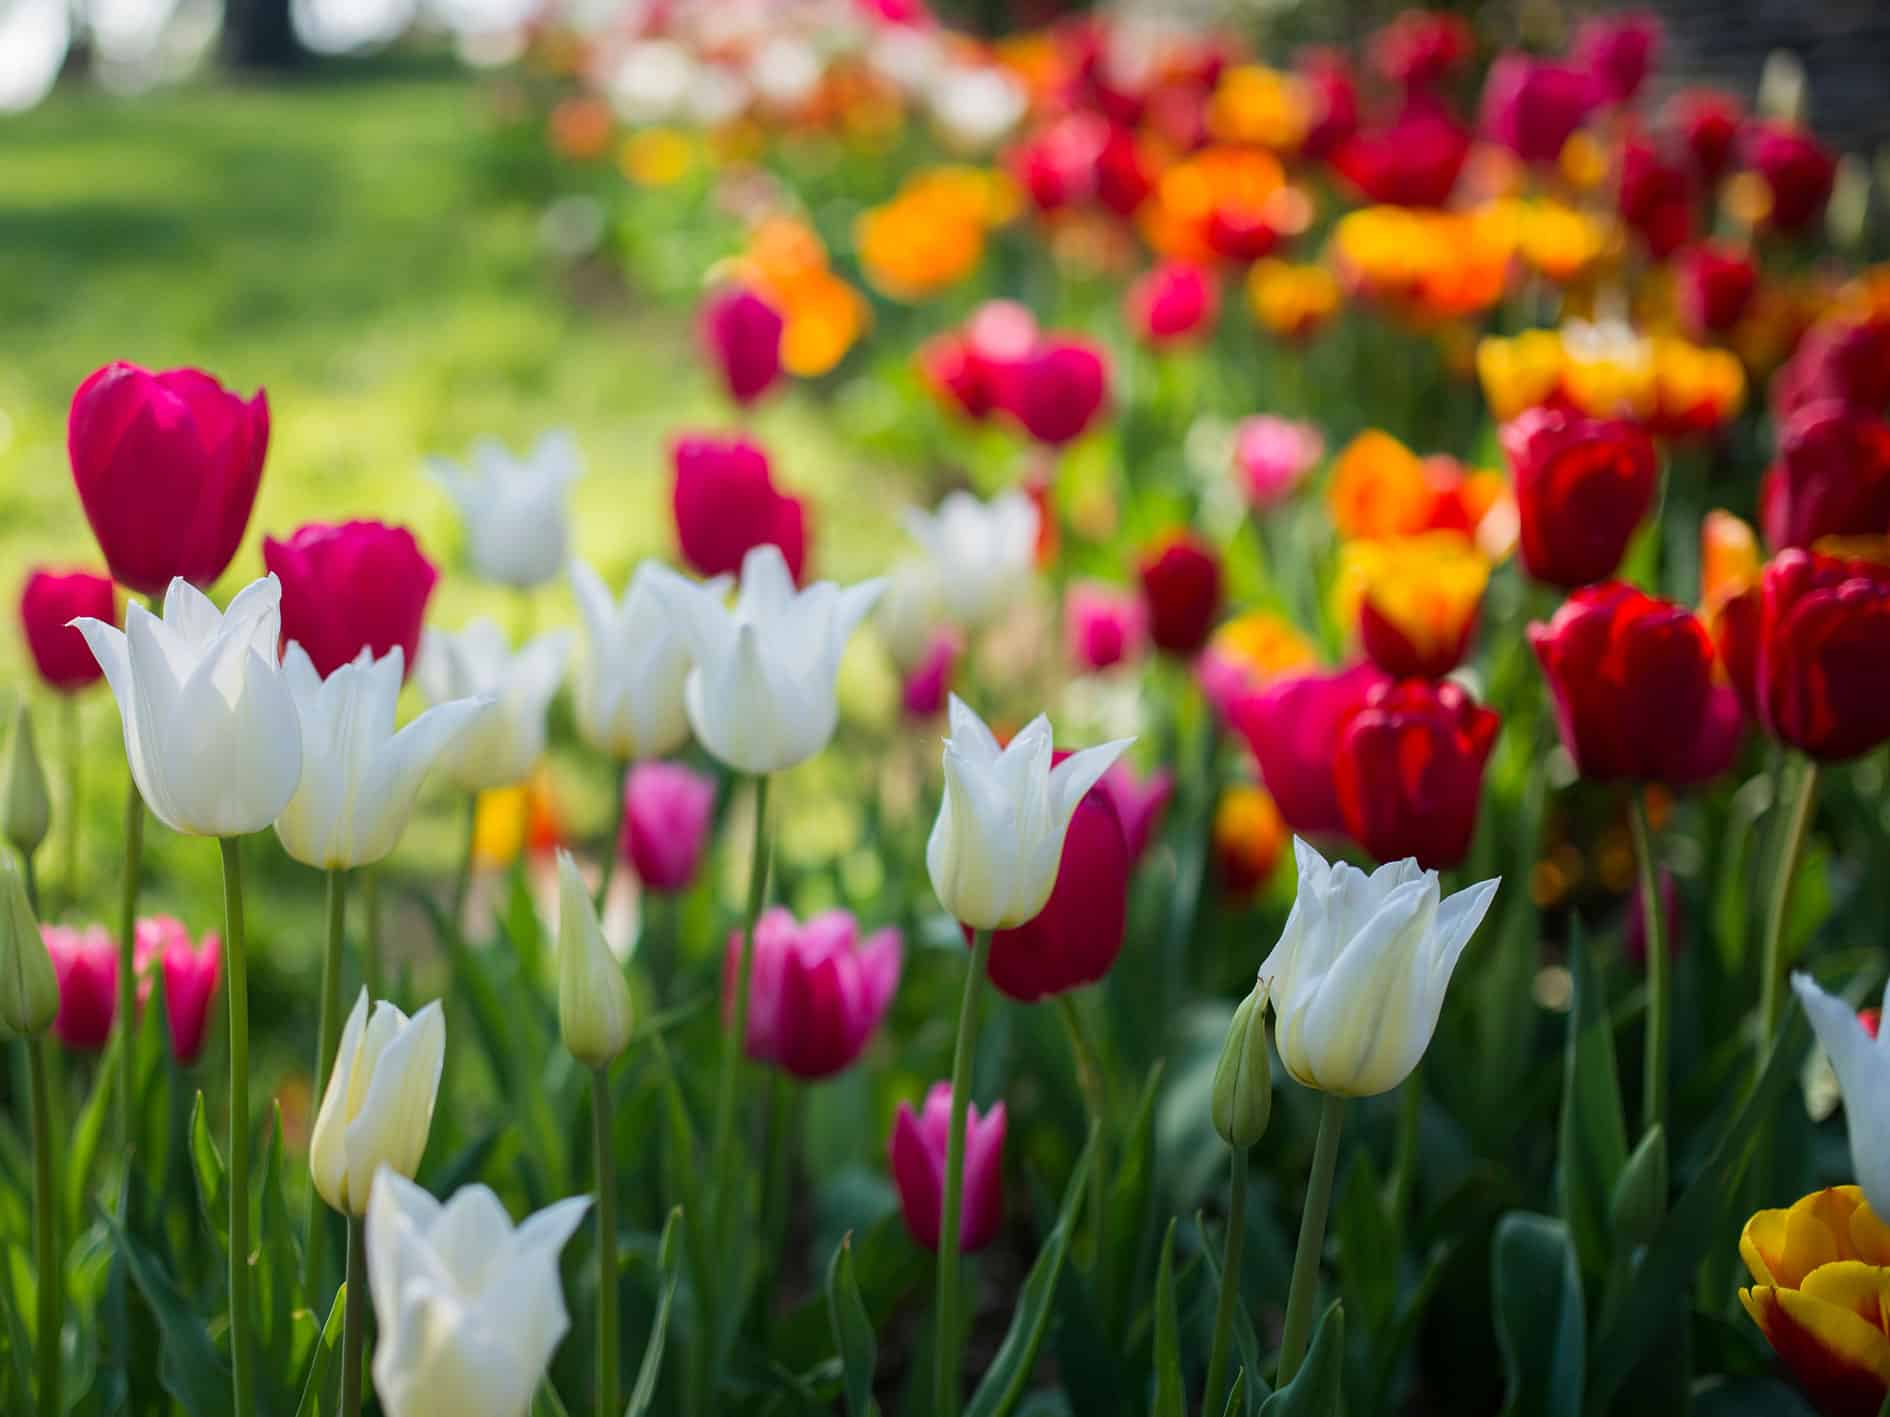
(1420, 49)
(1618, 50)
(161, 944)
(1635, 693)
(167, 467)
(1181, 587)
(1293, 728)
(816, 991)
(1125, 174)
(950, 371)
(85, 962)
(1175, 302)
(1655, 198)
(1582, 487)
(1408, 771)
(1735, 625)
(1713, 287)
(1708, 122)
(1798, 172)
(741, 333)
(1841, 359)
(1140, 804)
(667, 809)
(1327, 76)
(1533, 106)
(49, 602)
(1057, 391)
(1824, 654)
(1831, 477)
(360, 585)
(919, 1143)
(726, 504)
(1414, 162)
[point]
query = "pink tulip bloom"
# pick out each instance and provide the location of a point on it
(817, 991)
(922, 695)
(918, 1165)
(1273, 456)
(1140, 804)
(1172, 303)
(1103, 624)
(726, 504)
(190, 972)
(1057, 390)
(85, 962)
(360, 585)
(742, 334)
(667, 809)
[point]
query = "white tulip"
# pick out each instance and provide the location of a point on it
(379, 1102)
(760, 694)
(910, 612)
(998, 839)
(517, 523)
(1358, 977)
(360, 777)
(210, 723)
(983, 553)
(629, 685)
(1862, 1064)
(503, 744)
(594, 1010)
(469, 1309)
(977, 105)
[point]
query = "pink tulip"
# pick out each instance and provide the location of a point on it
(742, 334)
(1172, 303)
(1273, 456)
(1293, 727)
(1532, 106)
(667, 809)
(923, 692)
(190, 978)
(918, 1165)
(1103, 625)
(167, 467)
(360, 585)
(726, 503)
(85, 962)
(1056, 391)
(817, 992)
(1140, 804)
(1618, 50)
(49, 602)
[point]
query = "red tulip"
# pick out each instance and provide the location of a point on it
(1125, 175)
(667, 810)
(1735, 627)
(1056, 165)
(1582, 487)
(1841, 359)
(1103, 625)
(1655, 198)
(360, 585)
(919, 1143)
(1181, 586)
(191, 972)
(1408, 771)
(1713, 287)
(1533, 106)
(1798, 172)
(1413, 163)
(1618, 50)
(49, 602)
(950, 370)
(1831, 477)
(1824, 654)
(1420, 49)
(1708, 122)
(1140, 804)
(1056, 391)
(1293, 727)
(726, 503)
(167, 467)
(1327, 76)
(816, 991)
(1172, 303)
(742, 334)
(1634, 689)
(923, 691)
(85, 962)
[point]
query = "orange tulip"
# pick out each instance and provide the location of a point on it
(1249, 835)
(1413, 600)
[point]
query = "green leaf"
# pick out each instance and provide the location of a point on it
(1541, 1327)
(1749, 1397)
(644, 1393)
(319, 1388)
(1131, 1203)
(82, 1149)
(1368, 1251)
(190, 1369)
(1170, 1386)
(1245, 1341)
(206, 1163)
(852, 1334)
(547, 1403)
(284, 1326)
(1593, 1143)
(1236, 1395)
(1004, 1380)
(1318, 1388)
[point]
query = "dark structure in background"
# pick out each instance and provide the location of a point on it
(259, 34)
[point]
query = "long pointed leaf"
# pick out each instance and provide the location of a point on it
(1541, 1326)
(644, 1393)
(1170, 1387)
(852, 1333)
(1593, 1142)
(1318, 1388)
(190, 1370)
(319, 1390)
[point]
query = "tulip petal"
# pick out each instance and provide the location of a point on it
(1864, 1079)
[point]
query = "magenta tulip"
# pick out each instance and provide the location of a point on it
(923, 691)
(1293, 727)
(191, 972)
(85, 962)
(1103, 625)
(918, 1168)
(359, 585)
(1140, 804)
(1532, 106)
(1057, 391)
(49, 603)
(817, 991)
(742, 334)
(726, 504)
(667, 809)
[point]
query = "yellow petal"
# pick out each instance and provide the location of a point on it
(1870, 1237)
(1851, 1284)
(1762, 1247)
(1840, 1358)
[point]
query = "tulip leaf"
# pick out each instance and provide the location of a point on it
(1170, 1385)
(1368, 1251)
(1245, 1341)
(852, 1333)
(644, 1393)
(206, 1163)
(1541, 1325)
(1318, 1388)
(190, 1369)
(1236, 1396)
(319, 1389)
(547, 1403)
(1130, 1205)
(1004, 1380)
(1593, 1143)
(82, 1150)
(1749, 1397)
(284, 1328)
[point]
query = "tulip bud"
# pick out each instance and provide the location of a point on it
(25, 809)
(918, 1148)
(741, 332)
(1056, 392)
(593, 996)
(1582, 487)
(1182, 588)
(379, 1103)
(29, 991)
(818, 991)
(1173, 303)
(1242, 1100)
(1639, 1203)
(1531, 106)
(49, 603)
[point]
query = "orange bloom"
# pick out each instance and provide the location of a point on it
(1260, 107)
(580, 129)
(1520, 372)
(1223, 202)
(1425, 266)
(1380, 488)
(508, 819)
(930, 236)
(1264, 645)
(1729, 558)
(1292, 302)
(822, 315)
(1413, 599)
(1249, 835)
(1695, 389)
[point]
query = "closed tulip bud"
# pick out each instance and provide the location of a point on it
(1639, 1202)
(1831, 478)
(1409, 772)
(161, 945)
(1861, 1059)
(667, 810)
(1140, 803)
(514, 509)
(353, 587)
(379, 1104)
(210, 723)
(167, 467)
(1713, 287)
(1824, 639)
(25, 809)
(468, 1309)
(1420, 49)
(503, 744)
(49, 603)
(1057, 391)
(1242, 1101)
(1619, 50)
(1532, 106)
(1273, 456)
(1708, 123)
(29, 987)
(817, 991)
(983, 554)
(726, 505)
(918, 1166)
(997, 842)
(1174, 303)
(1293, 726)
(85, 964)
(1583, 485)
(741, 333)
(629, 686)
(1798, 172)
(1181, 587)
(1103, 625)
(1358, 977)
(593, 996)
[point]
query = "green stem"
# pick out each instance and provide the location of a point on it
(354, 1319)
(778, 1169)
(371, 933)
(74, 745)
(945, 1352)
(127, 1016)
(327, 1043)
(609, 871)
(463, 881)
(607, 1324)
(238, 967)
(1790, 838)
(1230, 1281)
(50, 1277)
(1095, 1093)
(1659, 1006)
(1301, 1296)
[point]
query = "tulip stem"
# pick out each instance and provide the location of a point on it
(945, 1351)
(1230, 1280)
(607, 1324)
(127, 960)
(354, 1318)
(1659, 1006)
(74, 744)
(1089, 1077)
(50, 1277)
(238, 966)
(1301, 1297)
(609, 871)
(1789, 839)
(463, 881)
(327, 1043)
(370, 936)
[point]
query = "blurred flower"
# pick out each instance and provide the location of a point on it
(983, 554)
(1273, 455)
(503, 744)
(919, 1142)
(1846, 360)
(1413, 599)
(1056, 164)
(357, 586)
(1532, 106)
(1408, 772)
(1246, 654)
(726, 504)
(161, 943)
(1103, 624)
(594, 1011)
(508, 820)
(629, 687)
(1729, 557)
(1330, 93)
(1181, 588)
(49, 602)
(1696, 391)
(1655, 197)
(1708, 122)
(579, 128)
(1797, 171)
(84, 973)
(1259, 107)
(741, 332)
(1056, 391)
(1358, 977)
(926, 685)
(975, 106)
(1713, 287)
(1223, 203)
(378, 1106)
(1380, 488)
(1175, 302)
(817, 992)
(930, 235)
(1291, 302)
(785, 263)
(1618, 50)
(167, 467)
(1583, 486)
(1831, 477)
(1420, 49)
(1248, 837)
(1425, 267)
(1413, 162)
(668, 809)
(1519, 372)
(514, 510)
(1125, 172)
(1140, 804)
(1293, 728)
(965, 369)
(1824, 639)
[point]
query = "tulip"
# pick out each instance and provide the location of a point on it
(964, 370)
(760, 694)
(49, 603)
(1655, 197)
(501, 745)
(726, 505)
(1056, 164)
(1414, 162)
(1823, 645)
(982, 554)
(85, 967)
(1181, 586)
(167, 467)
(629, 687)
(923, 691)
(1862, 1062)
(1293, 727)
(469, 1309)
(191, 973)
(1798, 172)
(817, 990)
(514, 509)
(1420, 49)
(1248, 836)
(1273, 456)
(593, 996)
(1582, 487)
(1713, 287)
(1328, 82)
(1241, 1102)
(1708, 122)
(741, 332)
(1414, 599)
(1409, 772)
(25, 808)
(1842, 359)
(1124, 171)
(1056, 392)
(359, 776)
(1533, 106)
(1103, 625)
(360, 585)
(1140, 804)
(379, 1101)
(1246, 654)
(1832, 476)
(210, 721)
(1618, 50)
(1175, 302)
(918, 1166)
(667, 810)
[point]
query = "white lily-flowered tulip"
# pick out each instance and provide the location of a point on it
(594, 1009)
(359, 776)
(469, 1308)
(629, 684)
(503, 744)
(379, 1103)
(983, 552)
(210, 722)
(911, 611)
(760, 694)
(1358, 978)
(998, 839)
(1862, 1064)
(517, 523)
